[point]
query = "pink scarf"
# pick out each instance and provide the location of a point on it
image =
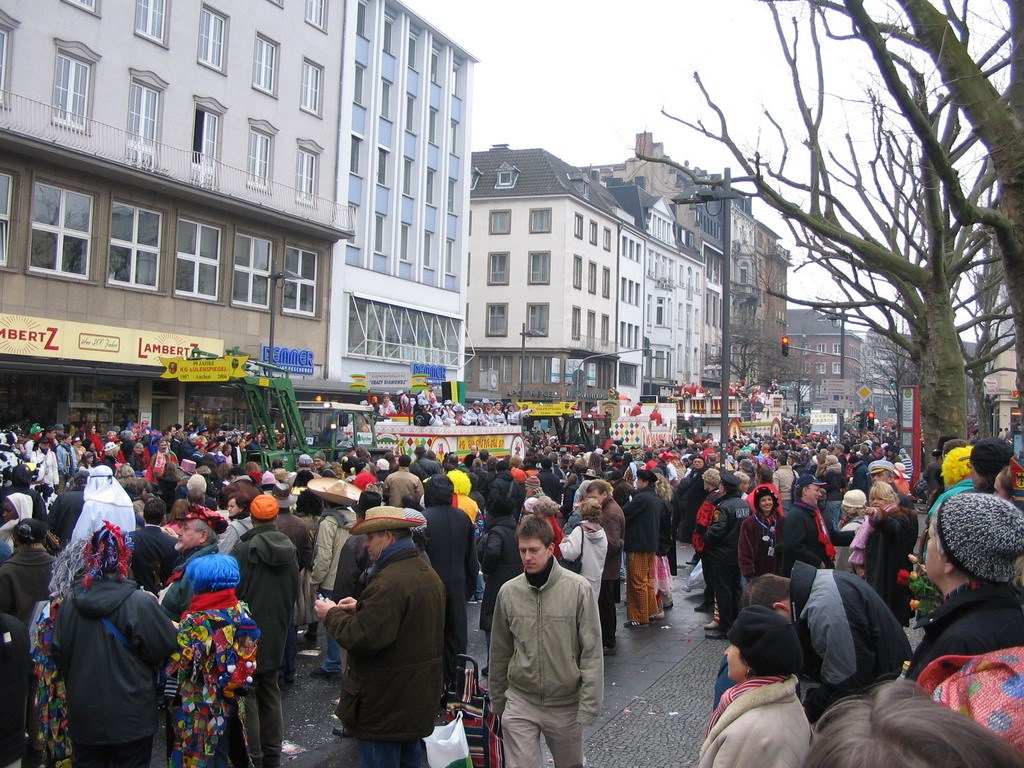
(738, 690)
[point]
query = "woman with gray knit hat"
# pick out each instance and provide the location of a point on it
(974, 542)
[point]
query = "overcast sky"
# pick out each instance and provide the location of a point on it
(581, 79)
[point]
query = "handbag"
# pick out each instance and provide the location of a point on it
(576, 566)
(472, 705)
(447, 746)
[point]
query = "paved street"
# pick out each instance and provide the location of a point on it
(658, 693)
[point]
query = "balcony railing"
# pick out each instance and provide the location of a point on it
(597, 344)
(33, 119)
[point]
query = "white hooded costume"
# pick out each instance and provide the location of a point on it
(105, 500)
(22, 504)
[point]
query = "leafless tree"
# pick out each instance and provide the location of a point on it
(897, 221)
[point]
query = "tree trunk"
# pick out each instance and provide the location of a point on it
(943, 385)
(1013, 270)
(982, 406)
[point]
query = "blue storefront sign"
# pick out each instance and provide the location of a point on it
(436, 374)
(298, 361)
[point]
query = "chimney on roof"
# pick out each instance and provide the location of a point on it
(499, 146)
(644, 143)
(595, 174)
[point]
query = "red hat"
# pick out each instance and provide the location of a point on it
(212, 519)
(650, 464)
(364, 479)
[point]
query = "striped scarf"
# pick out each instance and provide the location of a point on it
(750, 684)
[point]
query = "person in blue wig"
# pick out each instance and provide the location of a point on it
(216, 659)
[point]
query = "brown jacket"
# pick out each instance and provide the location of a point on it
(400, 484)
(614, 524)
(394, 641)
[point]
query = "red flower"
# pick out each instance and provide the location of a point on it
(903, 578)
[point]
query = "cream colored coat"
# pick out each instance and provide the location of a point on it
(766, 728)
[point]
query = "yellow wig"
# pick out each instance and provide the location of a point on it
(956, 466)
(460, 481)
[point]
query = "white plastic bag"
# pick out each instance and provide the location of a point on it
(696, 578)
(447, 746)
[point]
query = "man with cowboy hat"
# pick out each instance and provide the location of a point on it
(394, 636)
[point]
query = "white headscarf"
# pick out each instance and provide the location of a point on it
(105, 501)
(22, 504)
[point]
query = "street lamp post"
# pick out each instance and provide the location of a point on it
(524, 334)
(721, 190)
(282, 274)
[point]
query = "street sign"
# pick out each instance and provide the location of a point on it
(841, 387)
(864, 392)
(991, 385)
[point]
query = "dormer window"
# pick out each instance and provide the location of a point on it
(474, 178)
(508, 175)
(582, 185)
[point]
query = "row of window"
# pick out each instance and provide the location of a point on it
(412, 49)
(62, 240)
(577, 277)
(538, 369)
(359, 96)
(213, 29)
(538, 268)
(837, 369)
(72, 92)
(151, 15)
(406, 245)
(536, 319)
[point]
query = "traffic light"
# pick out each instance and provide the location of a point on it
(863, 422)
(785, 346)
(647, 346)
(871, 420)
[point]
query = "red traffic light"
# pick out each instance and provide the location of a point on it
(871, 414)
(785, 346)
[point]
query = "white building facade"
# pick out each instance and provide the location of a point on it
(166, 183)
(544, 252)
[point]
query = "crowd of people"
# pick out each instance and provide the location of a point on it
(175, 558)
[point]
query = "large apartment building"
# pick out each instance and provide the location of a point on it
(247, 174)
(542, 291)
(399, 298)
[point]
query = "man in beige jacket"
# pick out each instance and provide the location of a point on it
(402, 483)
(547, 667)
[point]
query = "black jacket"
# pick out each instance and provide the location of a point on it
(643, 521)
(498, 551)
(690, 493)
(425, 468)
(971, 623)
(64, 514)
(111, 687)
(849, 636)
(886, 555)
(451, 547)
(551, 484)
(15, 668)
(153, 558)
(352, 562)
(723, 535)
(269, 583)
(506, 495)
(24, 581)
(802, 542)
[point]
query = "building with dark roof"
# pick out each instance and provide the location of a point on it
(542, 278)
